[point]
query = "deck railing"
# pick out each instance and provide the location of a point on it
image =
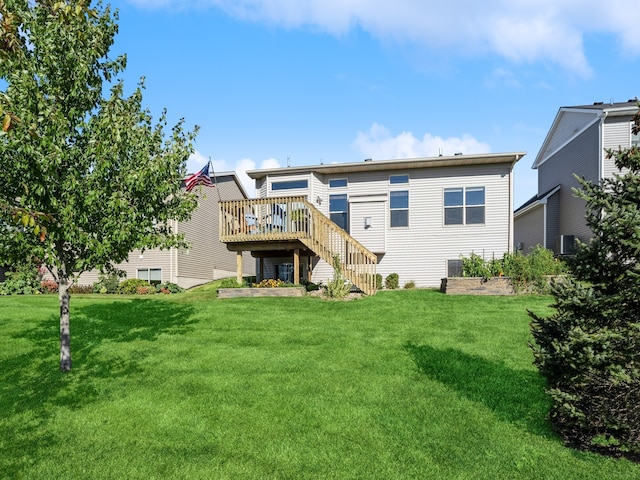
(294, 218)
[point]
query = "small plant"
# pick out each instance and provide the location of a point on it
(270, 283)
(131, 286)
(145, 289)
(48, 286)
(410, 285)
(107, 284)
(169, 287)
(378, 281)
(24, 280)
(392, 281)
(230, 282)
(310, 286)
(339, 287)
(82, 289)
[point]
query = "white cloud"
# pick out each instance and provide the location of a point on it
(379, 143)
(522, 31)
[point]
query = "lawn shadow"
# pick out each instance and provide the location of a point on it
(515, 396)
(32, 388)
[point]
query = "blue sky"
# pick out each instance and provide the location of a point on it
(304, 82)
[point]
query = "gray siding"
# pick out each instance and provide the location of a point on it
(617, 134)
(529, 228)
(206, 259)
(569, 123)
(581, 158)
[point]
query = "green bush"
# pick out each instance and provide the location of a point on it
(82, 289)
(392, 281)
(528, 273)
(378, 281)
(107, 284)
(131, 286)
(310, 286)
(24, 280)
(169, 287)
(338, 287)
(410, 285)
(230, 282)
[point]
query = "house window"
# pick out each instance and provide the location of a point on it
(635, 138)
(337, 183)
(151, 275)
(464, 206)
(399, 208)
(454, 268)
(289, 184)
(397, 179)
(338, 210)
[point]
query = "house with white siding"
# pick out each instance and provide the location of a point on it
(206, 259)
(576, 145)
(414, 217)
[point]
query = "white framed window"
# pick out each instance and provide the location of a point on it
(635, 137)
(399, 208)
(339, 211)
(337, 183)
(289, 184)
(398, 179)
(464, 206)
(151, 275)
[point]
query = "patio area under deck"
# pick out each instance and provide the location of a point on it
(269, 226)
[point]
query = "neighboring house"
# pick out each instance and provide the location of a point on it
(575, 145)
(207, 259)
(413, 217)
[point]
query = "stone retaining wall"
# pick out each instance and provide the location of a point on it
(477, 286)
(261, 292)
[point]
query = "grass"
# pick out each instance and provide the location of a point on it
(405, 384)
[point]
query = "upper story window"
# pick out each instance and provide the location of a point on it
(464, 206)
(339, 211)
(635, 138)
(289, 184)
(399, 208)
(398, 179)
(338, 183)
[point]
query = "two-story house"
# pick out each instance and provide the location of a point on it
(414, 217)
(206, 259)
(575, 146)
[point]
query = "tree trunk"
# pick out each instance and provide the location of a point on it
(65, 334)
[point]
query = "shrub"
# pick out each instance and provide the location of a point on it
(230, 282)
(392, 281)
(338, 287)
(82, 289)
(107, 284)
(270, 283)
(24, 280)
(131, 286)
(145, 289)
(410, 285)
(169, 287)
(378, 281)
(49, 286)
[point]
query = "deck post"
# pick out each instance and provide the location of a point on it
(261, 269)
(239, 266)
(296, 266)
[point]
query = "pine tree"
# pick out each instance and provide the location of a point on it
(589, 350)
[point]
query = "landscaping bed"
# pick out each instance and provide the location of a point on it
(261, 292)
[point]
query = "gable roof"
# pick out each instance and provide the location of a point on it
(399, 164)
(535, 201)
(580, 118)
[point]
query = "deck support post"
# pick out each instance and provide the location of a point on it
(261, 261)
(296, 266)
(239, 267)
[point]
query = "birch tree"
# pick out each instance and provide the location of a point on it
(101, 175)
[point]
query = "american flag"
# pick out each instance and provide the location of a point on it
(200, 178)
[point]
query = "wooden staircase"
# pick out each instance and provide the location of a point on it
(286, 221)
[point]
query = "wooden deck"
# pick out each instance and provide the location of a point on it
(293, 224)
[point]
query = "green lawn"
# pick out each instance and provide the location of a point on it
(405, 384)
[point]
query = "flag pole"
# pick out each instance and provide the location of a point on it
(215, 180)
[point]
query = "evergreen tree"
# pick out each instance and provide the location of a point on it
(589, 350)
(88, 177)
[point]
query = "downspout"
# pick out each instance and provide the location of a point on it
(601, 147)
